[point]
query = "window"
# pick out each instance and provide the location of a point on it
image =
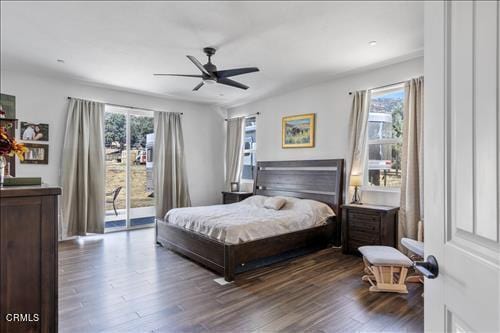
(249, 159)
(385, 137)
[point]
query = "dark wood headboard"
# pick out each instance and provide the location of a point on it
(320, 180)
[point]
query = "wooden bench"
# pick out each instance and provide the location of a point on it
(386, 268)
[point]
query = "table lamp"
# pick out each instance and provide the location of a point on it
(356, 182)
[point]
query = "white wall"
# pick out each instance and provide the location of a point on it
(44, 99)
(332, 104)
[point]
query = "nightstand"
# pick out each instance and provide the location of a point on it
(368, 225)
(232, 197)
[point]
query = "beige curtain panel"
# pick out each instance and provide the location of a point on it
(234, 149)
(83, 169)
(169, 171)
(356, 151)
(411, 205)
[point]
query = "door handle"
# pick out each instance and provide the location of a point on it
(428, 268)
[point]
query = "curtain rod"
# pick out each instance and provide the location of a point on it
(247, 116)
(385, 86)
(126, 106)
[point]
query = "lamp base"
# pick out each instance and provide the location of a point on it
(356, 199)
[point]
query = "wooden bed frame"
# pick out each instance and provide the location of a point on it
(320, 180)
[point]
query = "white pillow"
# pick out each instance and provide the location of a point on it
(275, 203)
(254, 200)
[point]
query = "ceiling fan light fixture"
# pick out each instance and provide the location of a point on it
(209, 81)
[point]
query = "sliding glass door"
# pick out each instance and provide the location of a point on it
(129, 137)
(115, 145)
(141, 201)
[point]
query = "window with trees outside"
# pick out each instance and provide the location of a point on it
(385, 137)
(249, 159)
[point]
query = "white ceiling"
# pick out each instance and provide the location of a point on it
(121, 44)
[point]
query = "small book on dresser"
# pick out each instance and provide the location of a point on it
(22, 181)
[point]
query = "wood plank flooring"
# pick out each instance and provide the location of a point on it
(123, 282)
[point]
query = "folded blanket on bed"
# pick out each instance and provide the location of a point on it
(249, 220)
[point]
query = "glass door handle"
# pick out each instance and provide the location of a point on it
(428, 268)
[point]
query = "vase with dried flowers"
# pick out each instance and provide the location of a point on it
(9, 147)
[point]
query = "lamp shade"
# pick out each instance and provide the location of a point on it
(355, 180)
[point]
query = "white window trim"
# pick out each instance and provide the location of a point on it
(388, 89)
(388, 141)
(254, 150)
(374, 188)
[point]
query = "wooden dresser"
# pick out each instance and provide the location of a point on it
(368, 225)
(28, 252)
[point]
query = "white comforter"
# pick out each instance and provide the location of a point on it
(248, 220)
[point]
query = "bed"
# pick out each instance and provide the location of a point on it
(233, 238)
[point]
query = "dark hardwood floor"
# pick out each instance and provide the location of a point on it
(122, 282)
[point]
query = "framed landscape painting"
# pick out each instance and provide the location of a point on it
(298, 131)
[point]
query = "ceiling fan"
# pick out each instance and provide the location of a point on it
(210, 74)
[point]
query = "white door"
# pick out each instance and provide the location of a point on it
(461, 165)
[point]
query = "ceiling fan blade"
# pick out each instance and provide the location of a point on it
(235, 71)
(198, 86)
(198, 64)
(229, 82)
(183, 75)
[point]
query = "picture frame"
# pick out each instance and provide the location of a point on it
(30, 131)
(8, 106)
(9, 122)
(235, 187)
(298, 131)
(36, 154)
